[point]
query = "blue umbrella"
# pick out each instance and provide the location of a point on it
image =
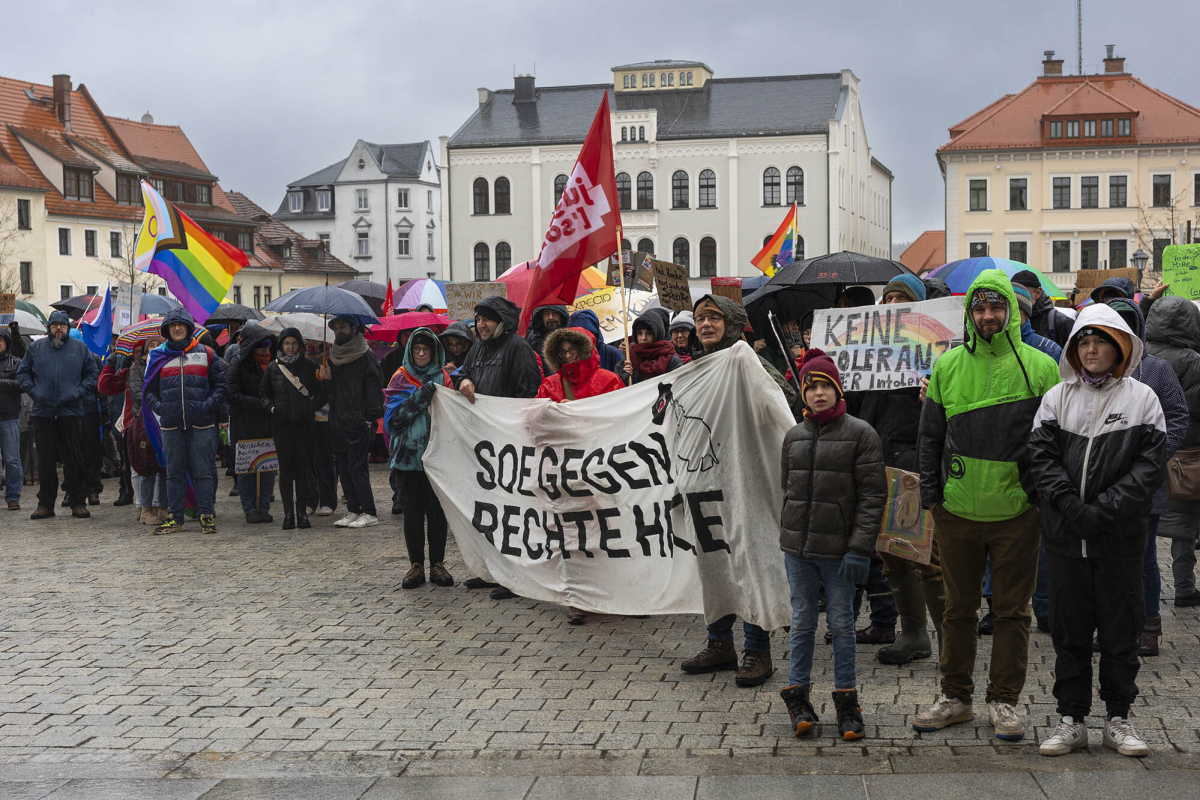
(328, 300)
(959, 275)
(154, 305)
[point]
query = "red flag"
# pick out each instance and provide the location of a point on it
(583, 230)
(387, 301)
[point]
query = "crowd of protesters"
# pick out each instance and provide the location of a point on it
(1041, 444)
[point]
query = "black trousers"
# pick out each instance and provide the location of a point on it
(58, 439)
(126, 471)
(421, 506)
(294, 445)
(879, 597)
(355, 472)
(91, 444)
(322, 470)
(1101, 595)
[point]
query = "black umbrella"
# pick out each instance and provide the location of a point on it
(373, 293)
(845, 268)
(328, 300)
(78, 305)
(158, 304)
(233, 312)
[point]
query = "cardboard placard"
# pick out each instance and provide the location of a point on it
(907, 529)
(126, 304)
(671, 279)
(639, 270)
(728, 287)
(888, 347)
(1181, 269)
(461, 298)
(255, 455)
(606, 303)
(1088, 279)
(8, 308)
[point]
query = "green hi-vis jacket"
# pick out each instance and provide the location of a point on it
(978, 416)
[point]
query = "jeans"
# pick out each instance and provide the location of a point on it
(58, 439)
(190, 452)
(757, 639)
(10, 451)
(256, 490)
(152, 491)
(1151, 579)
(803, 576)
(422, 511)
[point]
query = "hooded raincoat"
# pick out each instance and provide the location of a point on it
(537, 333)
(610, 357)
(735, 323)
(406, 411)
(979, 407)
(579, 379)
(249, 411)
(457, 330)
(504, 365)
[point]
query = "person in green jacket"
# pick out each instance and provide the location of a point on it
(974, 462)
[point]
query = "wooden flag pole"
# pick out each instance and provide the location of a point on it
(624, 305)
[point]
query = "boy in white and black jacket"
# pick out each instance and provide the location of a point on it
(1098, 452)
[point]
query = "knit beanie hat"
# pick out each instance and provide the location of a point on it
(910, 285)
(1024, 299)
(1027, 278)
(817, 366)
(487, 312)
(682, 319)
(984, 295)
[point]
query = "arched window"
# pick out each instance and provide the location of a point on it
(770, 187)
(560, 184)
(503, 200)
(481, 196)
(626, 245)
(689, 79)
(652, 79)
(645, 80)
(663, 79)
(645, 190)
(795, 185)
(645, 245)
(626, 82)
(682, 79)
(799, 247)
(708, 189)
(641, 133)
(679, 189)
(482, 267)
(670, 78)
(624, 134)
(708, 257)
(503, 258)
(681, 252)
(624, 191)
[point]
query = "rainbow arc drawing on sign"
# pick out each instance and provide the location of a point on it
(885, 347)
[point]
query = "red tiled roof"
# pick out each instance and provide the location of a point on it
(151, 143)
(1014, 121)
(12, 177)
(273, 233)
(927, 252)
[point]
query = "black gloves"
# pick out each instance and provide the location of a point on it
(427, 390)
(1088, 519)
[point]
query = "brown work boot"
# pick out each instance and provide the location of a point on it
(756, 668)
(715, 656)
(1148, 641)
(873, 634)
(414, 578)
(42, 513)
(80, 512)
(440, 575)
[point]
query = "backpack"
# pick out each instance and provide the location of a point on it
(142, 458)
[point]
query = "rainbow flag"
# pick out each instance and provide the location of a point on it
(198, 268)
(780, 249)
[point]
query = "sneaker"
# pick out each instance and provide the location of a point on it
(1119, 734)
(345, 521)
(1006, 721)
(364, 521)
(324, 511)
(944, 711)
(849, 715)
(440, 575)
(800, 708)
(208, 523)
(414, 577)
(756, 668)
(1068, 737)
(717, 655)
(170, 526)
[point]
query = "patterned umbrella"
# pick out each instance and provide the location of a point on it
(311, 326)
(420, 292)
(959, 275)
(137, 333)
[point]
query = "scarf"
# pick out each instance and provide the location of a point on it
(829, 415)
(292, 359)
(262, 356)
(1094, 380)
(651, 359)
(342, 354)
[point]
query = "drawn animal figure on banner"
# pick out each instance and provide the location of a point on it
(686, 423)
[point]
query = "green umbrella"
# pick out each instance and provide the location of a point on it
(25, 305)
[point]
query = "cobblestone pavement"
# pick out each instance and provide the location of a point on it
(260, 652)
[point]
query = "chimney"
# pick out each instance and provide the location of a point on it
(62, 99)
(523, 89)
(485, 96)
(1112, 63)
(1051, 65)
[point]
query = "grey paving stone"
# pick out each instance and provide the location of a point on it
(28, 790)
(290, 789)
(138, 789)
(1141, 783)
(954, 786)
(573, 788)
(449, 788)
(824, 787)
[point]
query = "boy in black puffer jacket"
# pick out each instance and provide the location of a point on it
(835, 488)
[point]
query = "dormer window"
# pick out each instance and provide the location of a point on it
(204, 194)
(1106, 128)
(1073, 129)
(1055, 130)
(128, 190)
(1123, 127)
(323, 200)
(77, 184)
(295, 202)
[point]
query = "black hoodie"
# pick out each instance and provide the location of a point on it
(249, 417)
(504, 365)
(537, 333)
(10, 387)
(457, 330)
(291, 406)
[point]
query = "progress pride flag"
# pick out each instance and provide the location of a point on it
(583, 230)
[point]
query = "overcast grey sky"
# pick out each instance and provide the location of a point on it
(271, 91)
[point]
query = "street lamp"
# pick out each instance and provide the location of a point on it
(1139, 259)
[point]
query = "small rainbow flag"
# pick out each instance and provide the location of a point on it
(780, 249)
(198, 268)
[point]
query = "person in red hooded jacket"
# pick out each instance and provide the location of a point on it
(571, 354)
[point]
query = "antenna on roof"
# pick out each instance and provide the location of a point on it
(1078, 37)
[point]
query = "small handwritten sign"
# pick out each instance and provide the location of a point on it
(1181, 269)
(461, 298)
(255, 455)
(8, 308)
(672, 282)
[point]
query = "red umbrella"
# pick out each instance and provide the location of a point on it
(520, 278)
(389, 327)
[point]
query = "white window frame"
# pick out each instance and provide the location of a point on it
(96, 234)
(403, 200)
(1101, 185)
(326, 238)
(1071, 202)
(1009, 241)
(324, 200)
(1008, 179)
(237, 294)
(70, 241)
(362, 199)
(1106, 191)
(987, 197)
(979, 239)
(429, 245)
(1170, 188)
(120, 245)
(92, 289)
(295, 202)
(429, 199)
(70, 290)
(363, 247)
(404, 244)
(1107, 249)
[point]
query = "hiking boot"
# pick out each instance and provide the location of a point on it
(944, 711)
(501, 593)
(1068, 737)
(253, 518)
(800, 708)
(1006, 722)
(439, 575)
(913, 641)
(289, 522)
(414, 577)
(364, 521)
(170, 526)
(13, 505)
(873, 634)
(42, 513)
(302, 522)
(345, 521)
(717, 655)
(756, 668)
(93, 500)
(80, 512)
(1188, 600)
(1119, 734)
(575, 616)
(849, 715)
(1148, 641)
(208, 523)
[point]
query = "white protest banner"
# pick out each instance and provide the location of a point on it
(662, 498)
(461, 298)
(255, 455)
(888, 347)
(606, 303)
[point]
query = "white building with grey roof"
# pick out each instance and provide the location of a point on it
(378, 210)
(706, 167)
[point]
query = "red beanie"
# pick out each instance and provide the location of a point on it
(816, 365)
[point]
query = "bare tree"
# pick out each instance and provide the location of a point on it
(11, 237)
(1162, 223)
(122, 269)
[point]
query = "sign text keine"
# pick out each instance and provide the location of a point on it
(888, 347)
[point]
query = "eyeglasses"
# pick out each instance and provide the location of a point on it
(708, 319)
